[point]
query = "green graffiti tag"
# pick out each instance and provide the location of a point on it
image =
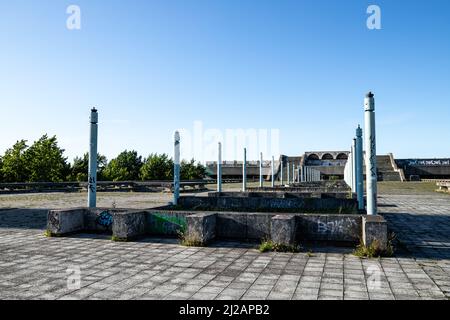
(167, 224)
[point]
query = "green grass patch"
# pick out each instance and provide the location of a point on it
(374, 250)
(190, 240)
(270, 246)
(118, 239)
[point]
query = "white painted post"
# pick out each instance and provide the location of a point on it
(176, 168)
(354, 165)
(288, 173)
(371, 154)
(273, 172)
(219, 169)
(359, 169)
(293, 173)
(282, 168)
(93, 140)
(244, 172)
(261, 181)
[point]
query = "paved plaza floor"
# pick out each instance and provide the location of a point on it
(35, 267)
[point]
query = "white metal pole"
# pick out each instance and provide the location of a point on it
(353, 168)
(371, 154)
(244, 172)
(176, 171)
(288, 173)
(273, 172)
(219, 169)
(261, 181)
(359, 169)
(93, 140)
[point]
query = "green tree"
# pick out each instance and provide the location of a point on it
(191, 170)
(45, 161)
(125, 167)
(14, 167)
(80, 168)
(157, 167)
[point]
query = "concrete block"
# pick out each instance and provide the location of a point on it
(202, 226)
(61, 222)
(322, 227)
(129, 225)
(375, 228)
(99, 220)
(168, 223)
(231, 225)
(258, 226)
(282, 229)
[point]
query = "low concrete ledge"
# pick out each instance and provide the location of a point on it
(61, 222)
(202, 227)
(129, 225)
(374, 228)
(282, 229)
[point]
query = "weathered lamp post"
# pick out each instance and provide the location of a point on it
(92, 182)
(371, 154)
(359, 169)
(244, 172)
(219, 169)
(176, 169)
(273, 171)
(261, 181)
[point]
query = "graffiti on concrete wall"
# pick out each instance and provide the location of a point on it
(163, 223)
(105, 219)
(424, 162)
(330, 227)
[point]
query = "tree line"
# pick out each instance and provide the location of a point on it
(44, 161)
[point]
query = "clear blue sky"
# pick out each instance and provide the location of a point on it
(151, 67)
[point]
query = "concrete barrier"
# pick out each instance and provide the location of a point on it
(60, 222)
(286, 228)
(282, 229)
(201, 227)
(269, 204)
(329, 227)
(374, 228)
(129, 225)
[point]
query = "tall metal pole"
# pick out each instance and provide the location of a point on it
(288, 173)
(371, 154)
(261, 181)
(293, 172)
(244, 172)
(219, 169)
(359, 169)
(273, 172)
(176, 168)
(93, 139)
(354, 165)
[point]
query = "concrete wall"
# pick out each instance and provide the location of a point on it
(240, 204)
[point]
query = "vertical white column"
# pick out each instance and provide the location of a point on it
(371, 154)
(244, 172)
(288, 173)
(176, 168)
(354, 166)
(282, 168)
(359, 169)
(219, 169)
(273, 172)
(293, 172)
(93, 140)
(261, 181)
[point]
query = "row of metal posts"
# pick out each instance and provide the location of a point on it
(303, 173)
(354, 169)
